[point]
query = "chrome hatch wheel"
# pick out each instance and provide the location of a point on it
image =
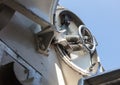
(86, 38)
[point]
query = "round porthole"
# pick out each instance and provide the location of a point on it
(75, 49)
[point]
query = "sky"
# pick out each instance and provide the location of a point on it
(102, 17)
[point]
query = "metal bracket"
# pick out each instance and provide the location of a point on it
(43, 40)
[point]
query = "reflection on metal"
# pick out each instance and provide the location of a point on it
(6, 14)
(70, 43)
(63, 19)
(7, 75)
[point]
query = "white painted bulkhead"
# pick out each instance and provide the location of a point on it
(20, 38)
